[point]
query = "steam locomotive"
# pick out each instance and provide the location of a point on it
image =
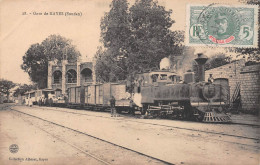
(161, 93)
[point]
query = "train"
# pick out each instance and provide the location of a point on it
(160, 93)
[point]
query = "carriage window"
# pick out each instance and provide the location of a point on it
(163, 77)
(172, 78)
(178, 78)
(154, 77)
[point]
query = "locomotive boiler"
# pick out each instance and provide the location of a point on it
(163, 93)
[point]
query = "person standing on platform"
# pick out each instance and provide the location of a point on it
(30, 102)
(112, 105)
(132, 110)
(40, 101)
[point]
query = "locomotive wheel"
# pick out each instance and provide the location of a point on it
(131, 111)
(144, 109)
(199, 117)
(119, 111)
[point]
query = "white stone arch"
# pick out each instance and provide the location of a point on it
(57, 77)
(86, 75)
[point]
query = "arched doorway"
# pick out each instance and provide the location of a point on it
(71, 76)
(86, 75)
(57, 76)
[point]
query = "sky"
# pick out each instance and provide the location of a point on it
(18, 32)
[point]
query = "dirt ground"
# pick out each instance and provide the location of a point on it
(172, 141)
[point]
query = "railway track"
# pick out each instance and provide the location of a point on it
(232, 123)
(167, 126)
(86, 134)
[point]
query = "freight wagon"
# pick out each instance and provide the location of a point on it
(97, 96)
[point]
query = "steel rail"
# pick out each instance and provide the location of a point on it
(72, 145)
(103, 140)
(189, 129)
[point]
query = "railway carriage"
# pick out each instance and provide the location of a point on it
(36, 95)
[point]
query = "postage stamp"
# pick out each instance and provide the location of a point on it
(222, 25)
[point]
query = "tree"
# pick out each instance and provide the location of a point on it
(151, 38)
(136, 39)
(24, 88)
(217, 60)
(35, 63)
(6, 86)
(103, 66)
(35, 60)
(115, 31)
(115, 27)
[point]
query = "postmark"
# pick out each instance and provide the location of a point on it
(222, 25)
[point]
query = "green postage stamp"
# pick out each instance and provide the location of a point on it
(222, 25)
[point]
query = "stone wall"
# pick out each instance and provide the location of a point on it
(249, 79)
(250, 88)
(229, 71)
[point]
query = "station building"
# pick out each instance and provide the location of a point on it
(63, 75)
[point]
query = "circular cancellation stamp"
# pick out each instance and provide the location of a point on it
(222, 25)
(13, 148)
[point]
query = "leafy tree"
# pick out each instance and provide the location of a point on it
(136, 39)
(151, 38)
(115, 31)
(24, 88)
(6, 86)
(35, 63)
(35, 60)
(59, 48)
(115, 27)
(103, 66)
(217, 60)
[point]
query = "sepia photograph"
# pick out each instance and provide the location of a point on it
(129, 82)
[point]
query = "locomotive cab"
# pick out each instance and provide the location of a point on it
(157, 78)
(164, 77)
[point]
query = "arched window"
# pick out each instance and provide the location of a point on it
(86, 75)
(71, 76)
(57, 75)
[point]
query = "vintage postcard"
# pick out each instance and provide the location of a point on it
(129, 82)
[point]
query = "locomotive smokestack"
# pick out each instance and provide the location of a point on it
(201, 60)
